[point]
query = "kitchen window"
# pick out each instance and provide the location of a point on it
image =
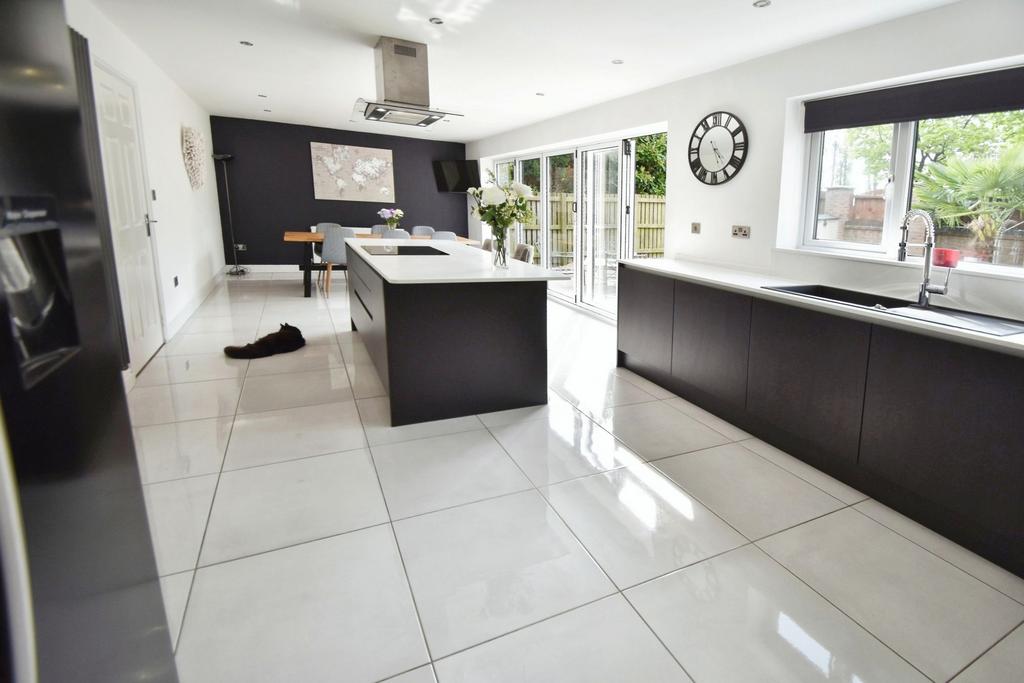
(966, 169)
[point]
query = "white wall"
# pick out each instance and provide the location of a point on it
(188, 235)
(759, 92)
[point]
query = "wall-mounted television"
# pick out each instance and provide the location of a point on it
(457, 175)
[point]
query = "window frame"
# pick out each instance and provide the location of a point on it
(904, 154)
(897, 193)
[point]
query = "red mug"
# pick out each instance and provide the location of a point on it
(946, 258)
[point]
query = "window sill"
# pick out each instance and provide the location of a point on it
(914, 262)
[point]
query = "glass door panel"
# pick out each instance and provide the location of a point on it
(600, 223)
(650, 154)
(530, 231)
(561, 220)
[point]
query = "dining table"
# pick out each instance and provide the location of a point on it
(308, 238)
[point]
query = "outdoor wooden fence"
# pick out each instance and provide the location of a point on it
(648, 230)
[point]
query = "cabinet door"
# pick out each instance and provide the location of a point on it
(805, 389)
(710, 339)
(945, 422)
(645, 323)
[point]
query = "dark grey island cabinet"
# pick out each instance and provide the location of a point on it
(448, 334)
(931, 427)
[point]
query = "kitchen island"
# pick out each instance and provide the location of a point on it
(449, 334)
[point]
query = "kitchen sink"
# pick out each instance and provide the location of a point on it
(950, 317)
(843, 296)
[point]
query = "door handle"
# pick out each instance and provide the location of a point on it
(149, 221)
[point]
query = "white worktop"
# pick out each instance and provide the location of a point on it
(464, 263)
(752, 284)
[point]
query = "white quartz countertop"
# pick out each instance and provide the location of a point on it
(753, 283)
(463, 263)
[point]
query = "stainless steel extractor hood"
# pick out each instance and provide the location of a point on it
(403, 86)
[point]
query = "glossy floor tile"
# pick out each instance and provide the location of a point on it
(602, 641)
(181, 449)
(305, 359)
(335, 609)
(815, 477)
(704, 417)
(1003, 581)
(479, 571)
(177, 402)
(1004, 662)
(376, 416)
(177, 512)
(282, 480)
(655, 430)
(295, 389)
(564, 445)
(442, 471)
(262, 508)
(277, 435)
(742, 617)
(747, 491)
(175, 589)
(638, 524)
(936, 616)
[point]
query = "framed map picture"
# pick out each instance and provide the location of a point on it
(352, 174)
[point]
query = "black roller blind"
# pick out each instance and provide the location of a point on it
(975, 94)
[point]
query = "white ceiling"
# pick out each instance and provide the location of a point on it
(314, 58)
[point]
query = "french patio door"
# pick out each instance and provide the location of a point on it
(602, 216)
(560, 206)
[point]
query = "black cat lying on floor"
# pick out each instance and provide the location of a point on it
(288, 338)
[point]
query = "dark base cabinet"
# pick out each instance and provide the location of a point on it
(931, 428)
(710, 342)
(945, 422)
(645, 323)
(805, 390)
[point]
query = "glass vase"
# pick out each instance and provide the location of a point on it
(499, 254)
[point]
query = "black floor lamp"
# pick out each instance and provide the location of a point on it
(236, 269)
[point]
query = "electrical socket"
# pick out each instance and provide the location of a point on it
(695, 228)
(241, 247)
(741, 231)
(175, 280)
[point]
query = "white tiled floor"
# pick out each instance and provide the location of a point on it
(617, 534)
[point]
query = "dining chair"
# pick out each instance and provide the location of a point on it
(396, 234)
(378, 229)
(318, 247)
(422, 231)
(444, 235)
(488, 244)
(334, 254)
(524, 253)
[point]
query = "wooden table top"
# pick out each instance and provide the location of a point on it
(307, 236)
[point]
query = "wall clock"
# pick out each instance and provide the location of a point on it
(718, 148)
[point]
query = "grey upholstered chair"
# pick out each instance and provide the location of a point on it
(378, 229)
(396, 234)
(488, 245)
(444, 235)
(524, 253)
(422, 231)
(318, 247)
(334, 254)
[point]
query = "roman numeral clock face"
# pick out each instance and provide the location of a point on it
(718, 148)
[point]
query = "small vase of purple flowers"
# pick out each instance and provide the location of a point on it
(392, 217)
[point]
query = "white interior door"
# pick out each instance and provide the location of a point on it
(124, 173)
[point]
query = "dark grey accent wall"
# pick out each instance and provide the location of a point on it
(271, 185)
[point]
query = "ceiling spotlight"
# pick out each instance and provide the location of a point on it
(259, 94)
(618, 61)
(267, 110)
(245, 42)
(539, 94)
(762, 3)
(437, 21)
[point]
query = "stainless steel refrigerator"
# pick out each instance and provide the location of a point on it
(81, 598)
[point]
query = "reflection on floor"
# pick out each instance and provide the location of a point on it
(617, 534)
